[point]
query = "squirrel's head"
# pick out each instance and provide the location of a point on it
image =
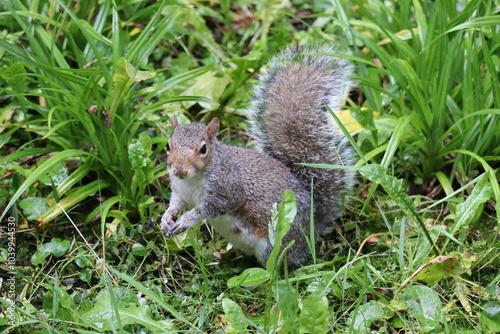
(189, 149)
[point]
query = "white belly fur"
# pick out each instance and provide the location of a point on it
(193, 192)
(245, 240)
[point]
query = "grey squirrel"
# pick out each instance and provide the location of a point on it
(235, 188)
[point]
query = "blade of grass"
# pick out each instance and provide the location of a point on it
(76, 196)
(35, 175)
(154, 297)
(394, 188)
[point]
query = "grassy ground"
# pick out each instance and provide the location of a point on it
(87, 89)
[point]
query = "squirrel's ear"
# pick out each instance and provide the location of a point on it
(213, 128)
(174, 122)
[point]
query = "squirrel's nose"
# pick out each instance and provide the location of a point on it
(179, 171)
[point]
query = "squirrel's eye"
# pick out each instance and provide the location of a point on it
(168, 147)
(203, 149)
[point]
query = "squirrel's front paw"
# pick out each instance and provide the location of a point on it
(183, 223)
(167, 221)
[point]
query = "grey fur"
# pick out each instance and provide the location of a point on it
(291, 124)
(235, 188)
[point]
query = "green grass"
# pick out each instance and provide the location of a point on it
(87, 90)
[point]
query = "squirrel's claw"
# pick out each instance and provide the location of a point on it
(167, 223)
(171, 228)
(176, 229)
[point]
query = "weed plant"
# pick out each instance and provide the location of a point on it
(87, 89)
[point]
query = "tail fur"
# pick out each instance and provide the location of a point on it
(292, 124)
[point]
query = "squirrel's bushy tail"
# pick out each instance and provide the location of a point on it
(292, 124)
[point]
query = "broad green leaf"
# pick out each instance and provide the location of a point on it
(235, 316)
(400, 130)
(83, 259)
(15, 76)
(489, 319)
(314, 314)
(146, 142)
(209, 85)
(181, 240)
(75, 176)
(137, 155)
(55, 247)
(363, 316)
(364, 116)
(439, 268)
(424, 305)
(125, 76)
(177, 81)
(139, 249)
(240, 74)
(56, 175)
(103, 316)
(6, 136)
(33, 207)
(86, 274)
(154, 297)
(145, 203)
(286, 214)
(287, 300)
(61, 305)
(134, 74)
(249, 277)
(467, 210)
